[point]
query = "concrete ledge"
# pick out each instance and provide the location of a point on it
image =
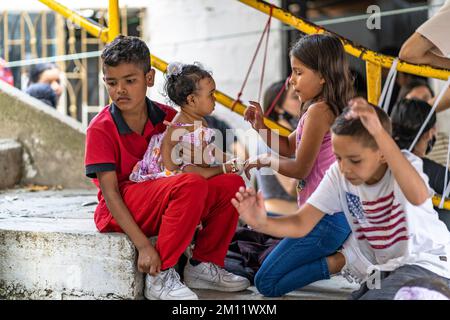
(10, 163)
(50, 249)
(53, 143)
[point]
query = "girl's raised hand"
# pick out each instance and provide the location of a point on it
(249, 166)
(254, 115)
(360, 108)
(250, 206)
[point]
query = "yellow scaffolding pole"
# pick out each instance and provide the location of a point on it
(372, 58)
(91, 27)
(437, 201)
(108, 34)
(113, 20)
(374, 61)
(225, 100)
(373, 73)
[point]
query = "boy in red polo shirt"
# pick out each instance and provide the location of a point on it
(171, 208)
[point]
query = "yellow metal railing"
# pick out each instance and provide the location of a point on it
(99, 31)
(109, 33)
(374, 61)
(225, 100)
(91, 27)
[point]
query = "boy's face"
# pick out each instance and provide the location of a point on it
(127, 85)
(359, 164)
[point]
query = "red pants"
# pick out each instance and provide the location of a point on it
(173, 207)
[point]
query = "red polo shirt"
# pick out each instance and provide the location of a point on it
(112, 146)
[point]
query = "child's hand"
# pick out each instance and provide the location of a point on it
(361, 109)
(254, 115)
(258, 162)
(250, 206)
(249, 166)
(149, 261)
(235, 165)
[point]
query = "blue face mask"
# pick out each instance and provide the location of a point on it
(293, 121)
(430, 144)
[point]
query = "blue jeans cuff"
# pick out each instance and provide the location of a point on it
(325, 271)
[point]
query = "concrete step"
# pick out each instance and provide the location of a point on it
(10, 163)
(50, 249)
(53, 143)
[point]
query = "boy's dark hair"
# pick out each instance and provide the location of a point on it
(127, 49)
(182, 80)
(355, 128)
(324, 53)
(407, 118)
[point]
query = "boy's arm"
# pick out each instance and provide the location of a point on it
(148, 260)
(250, 206)
(409, 180)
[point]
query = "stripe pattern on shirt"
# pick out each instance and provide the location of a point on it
(381, 222)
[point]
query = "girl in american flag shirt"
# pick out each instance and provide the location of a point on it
(396, 234)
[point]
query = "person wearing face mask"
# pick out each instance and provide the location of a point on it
(420, 89)
(407, 117)
(282, 105)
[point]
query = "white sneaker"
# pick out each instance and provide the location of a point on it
(356, 268)
(207, 275)
(166, 285)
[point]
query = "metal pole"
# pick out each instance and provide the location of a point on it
(114, 20)
(357, 51)
(91, 27)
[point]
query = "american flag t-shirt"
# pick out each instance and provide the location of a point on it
(382, 223)
(390, 230)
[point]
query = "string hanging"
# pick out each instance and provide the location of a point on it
(265, 31)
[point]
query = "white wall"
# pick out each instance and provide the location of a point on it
(187, 31)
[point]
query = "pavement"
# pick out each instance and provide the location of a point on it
(48, 238)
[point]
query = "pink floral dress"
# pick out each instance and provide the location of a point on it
(151, 167)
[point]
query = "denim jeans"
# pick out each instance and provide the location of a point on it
(297, 262)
